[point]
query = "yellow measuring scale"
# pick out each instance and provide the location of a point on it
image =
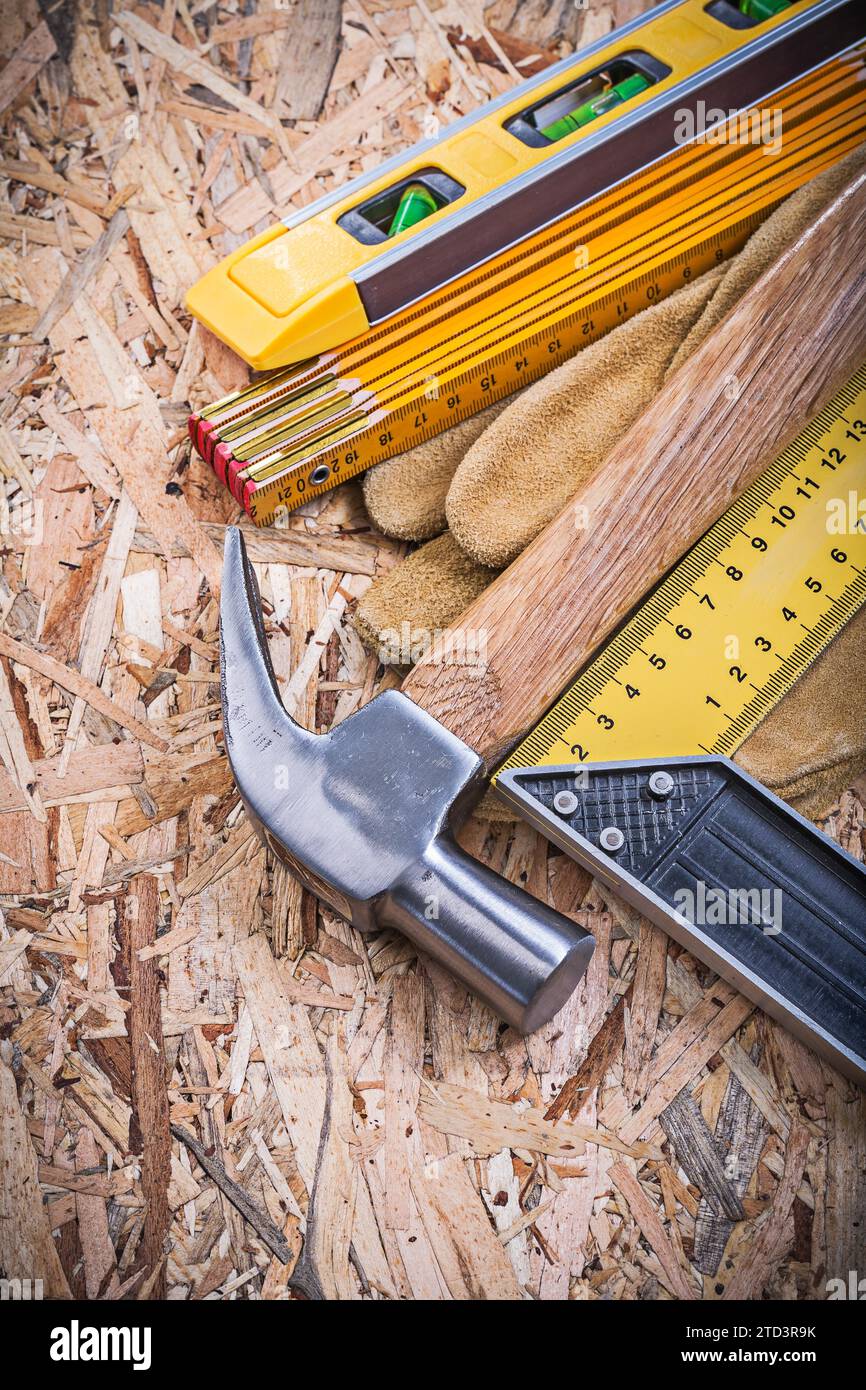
(737, 620)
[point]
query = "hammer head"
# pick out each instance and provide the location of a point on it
(349, 810)
(363, 817)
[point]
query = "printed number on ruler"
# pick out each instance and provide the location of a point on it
(456, 397)
(740, 617)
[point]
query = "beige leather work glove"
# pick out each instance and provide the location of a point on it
(486, 488)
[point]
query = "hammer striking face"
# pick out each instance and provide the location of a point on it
(364, 817)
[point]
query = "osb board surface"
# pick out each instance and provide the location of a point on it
(210, 1088)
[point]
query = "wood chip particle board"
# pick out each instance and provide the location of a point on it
(220, 1089)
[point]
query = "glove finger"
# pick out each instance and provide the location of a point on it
(405, 496)
(400, 613)
(535, 456)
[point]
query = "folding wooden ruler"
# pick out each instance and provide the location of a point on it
(473, 264)
(629, 774)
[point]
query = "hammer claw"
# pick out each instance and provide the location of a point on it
(248, 684)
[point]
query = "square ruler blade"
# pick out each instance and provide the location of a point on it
(627, 771)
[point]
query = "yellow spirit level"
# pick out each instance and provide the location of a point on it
(473, 264)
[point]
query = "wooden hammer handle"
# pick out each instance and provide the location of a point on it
(778, 357)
